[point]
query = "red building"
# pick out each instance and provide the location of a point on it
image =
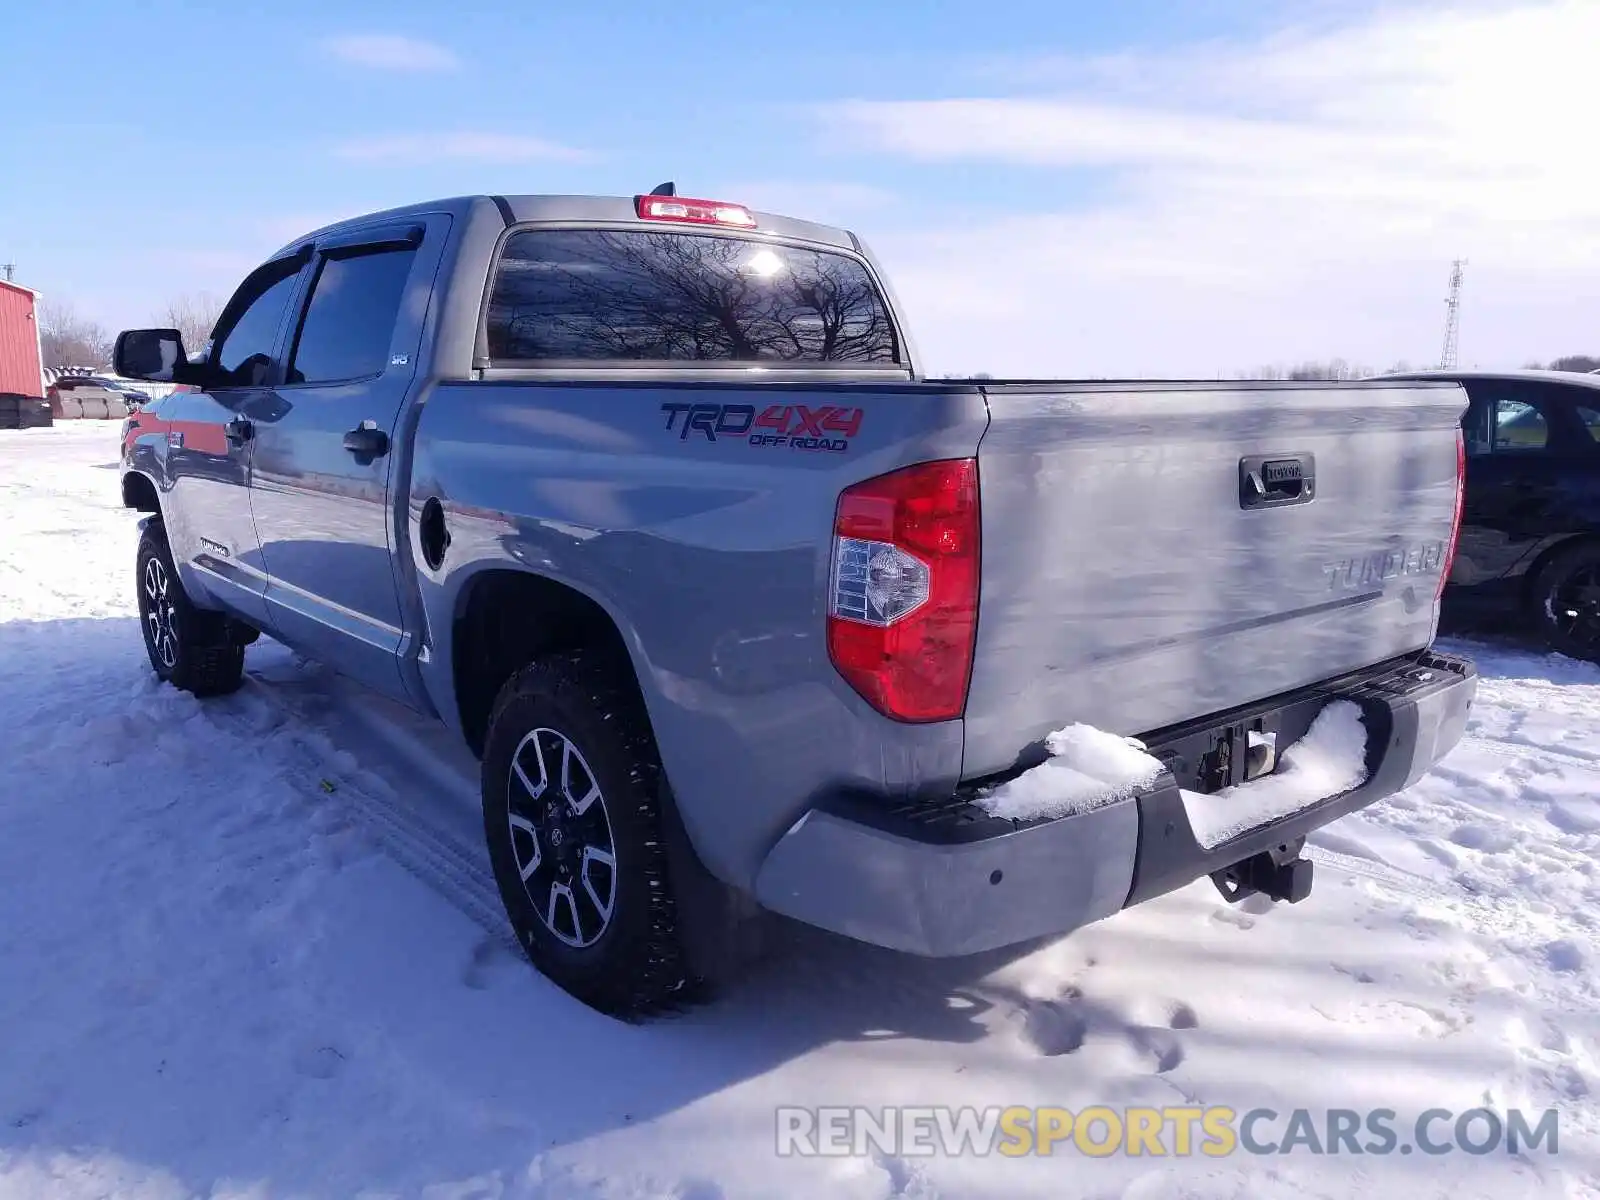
(21, 365)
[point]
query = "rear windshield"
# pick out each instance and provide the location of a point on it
(583, 295)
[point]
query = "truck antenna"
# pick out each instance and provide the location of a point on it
(10, 270)
(665, 189)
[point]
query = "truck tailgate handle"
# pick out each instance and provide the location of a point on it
(1276, 480)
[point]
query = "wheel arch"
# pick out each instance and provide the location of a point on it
(1537, 566)
(504, 618)
(139, 493)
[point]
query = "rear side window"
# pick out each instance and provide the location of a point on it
(349, 324)
(648, 296)
(1519, 426)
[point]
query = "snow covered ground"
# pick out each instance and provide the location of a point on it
(249, 948)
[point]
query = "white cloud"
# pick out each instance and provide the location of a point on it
(391, 52)
(811, 200)
(1298, 197)
(466, 146)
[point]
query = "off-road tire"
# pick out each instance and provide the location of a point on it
(189, 647)
(1569, 567)
(635, 965)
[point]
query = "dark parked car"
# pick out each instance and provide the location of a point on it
(1530, 531)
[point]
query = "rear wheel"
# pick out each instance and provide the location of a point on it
(189, 647)
(573, 824)
(1565, 601)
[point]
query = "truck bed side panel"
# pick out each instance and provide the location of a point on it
(712, 556)
(1125, 585)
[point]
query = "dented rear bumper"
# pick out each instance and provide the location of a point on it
(948, 879)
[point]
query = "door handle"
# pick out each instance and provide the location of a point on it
(238, 431)
(367, 441)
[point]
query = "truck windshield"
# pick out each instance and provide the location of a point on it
(648, 296)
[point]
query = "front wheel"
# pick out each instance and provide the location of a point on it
(188, 646)
(570, 811)
(1566, 601)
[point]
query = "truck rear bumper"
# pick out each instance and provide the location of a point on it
(951, 880)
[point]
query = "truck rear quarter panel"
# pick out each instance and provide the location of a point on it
(711, 554)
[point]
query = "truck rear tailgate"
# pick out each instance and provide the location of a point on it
(1149, 556)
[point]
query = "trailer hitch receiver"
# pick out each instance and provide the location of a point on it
(1278, 874)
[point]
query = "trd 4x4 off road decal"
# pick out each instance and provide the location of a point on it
(794, 426)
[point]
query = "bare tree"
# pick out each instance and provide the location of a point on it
(194, 315)
(1576, 362)
(70, 340)
(1337, 369)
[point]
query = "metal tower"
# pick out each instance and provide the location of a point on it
(1452, 321)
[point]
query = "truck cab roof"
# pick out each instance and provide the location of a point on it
(517, 210)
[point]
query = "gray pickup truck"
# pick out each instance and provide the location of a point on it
(646, 499)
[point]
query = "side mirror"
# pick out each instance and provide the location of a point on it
(154, 355)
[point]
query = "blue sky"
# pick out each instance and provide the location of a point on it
(187, 141)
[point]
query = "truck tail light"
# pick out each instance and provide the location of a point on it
(903, 593)
(1455, 522)
(693, 212)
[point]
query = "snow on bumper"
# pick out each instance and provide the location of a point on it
(957, 886)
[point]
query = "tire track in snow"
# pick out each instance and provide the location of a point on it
(396, 818)
(1512, 747)
(1396, 879)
